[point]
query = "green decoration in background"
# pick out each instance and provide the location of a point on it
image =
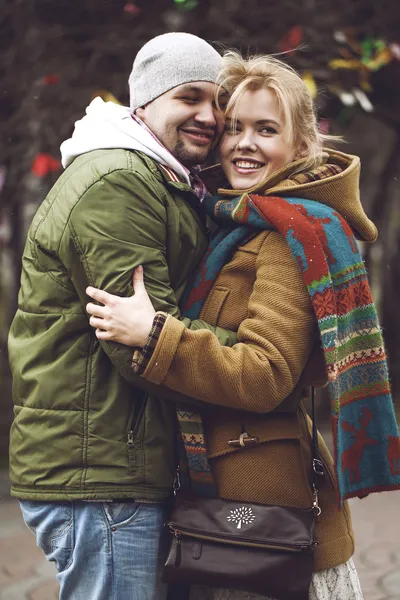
(186, 4)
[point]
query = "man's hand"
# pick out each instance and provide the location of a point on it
(124, 320)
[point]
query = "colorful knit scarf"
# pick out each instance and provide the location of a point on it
(366, 437)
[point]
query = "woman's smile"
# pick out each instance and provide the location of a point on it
(247, 166)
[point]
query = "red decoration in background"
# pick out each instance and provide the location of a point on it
(44, 163)
(324, 126)
(50, 79)
(289, 42)
(395, 50)
(132, 9)
(3, 175)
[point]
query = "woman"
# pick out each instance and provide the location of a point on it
(271, 147)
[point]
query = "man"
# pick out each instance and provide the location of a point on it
(92, 456)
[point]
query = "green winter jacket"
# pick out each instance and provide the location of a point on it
(83, 429)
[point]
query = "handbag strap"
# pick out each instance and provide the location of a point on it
(317, 466)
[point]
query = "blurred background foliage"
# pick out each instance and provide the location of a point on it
(56, 55)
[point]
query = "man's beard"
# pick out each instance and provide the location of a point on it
(190, 156)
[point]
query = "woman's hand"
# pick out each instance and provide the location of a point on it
(124, 320)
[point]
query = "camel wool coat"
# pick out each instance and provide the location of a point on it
(256, 385)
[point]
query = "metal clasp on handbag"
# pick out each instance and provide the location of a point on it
(315, 506)
(318, 466)
(244, 440)
(176, 486)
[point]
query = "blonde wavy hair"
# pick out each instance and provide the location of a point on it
(239, 75)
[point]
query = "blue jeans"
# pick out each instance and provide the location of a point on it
(102, 550)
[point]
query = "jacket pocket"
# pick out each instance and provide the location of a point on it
(269, 472)
(214, 303)
(264, 428)
(136, 458)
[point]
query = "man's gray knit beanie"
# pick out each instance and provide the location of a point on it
(169, 60)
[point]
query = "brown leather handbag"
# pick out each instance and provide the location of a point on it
(267, 550)
(262, 549)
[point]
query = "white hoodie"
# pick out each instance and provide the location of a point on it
(109, 125)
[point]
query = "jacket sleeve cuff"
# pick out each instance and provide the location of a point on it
(142, 356)
(164, 351)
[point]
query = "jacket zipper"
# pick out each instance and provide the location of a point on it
(225, 539)
(136, 420)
